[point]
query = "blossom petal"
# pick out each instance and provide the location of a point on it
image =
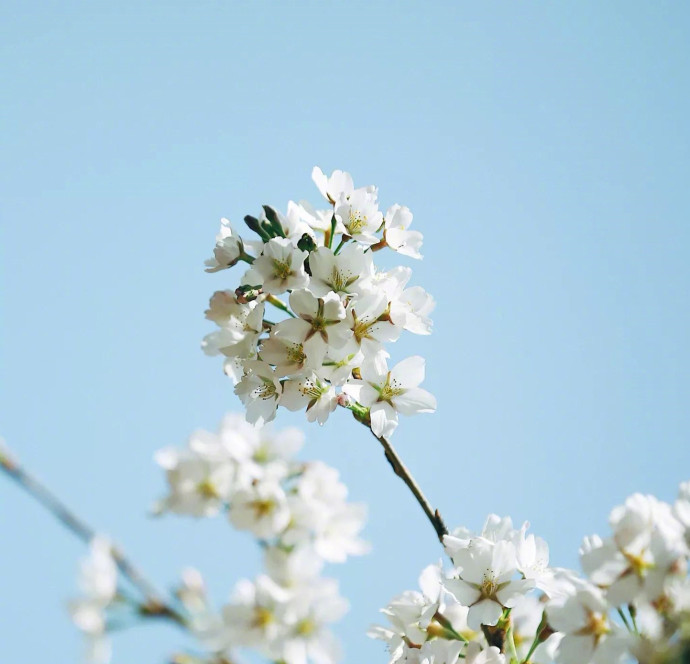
(384, 419)
(415, 400)
(486, 612)
(410, 372)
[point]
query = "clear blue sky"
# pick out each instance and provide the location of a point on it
(544, 150)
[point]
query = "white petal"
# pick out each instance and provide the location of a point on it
(409, 372)
(465, 593)
(384, 419)
(486, 612)
(415, 400)
(575, 649)
(304, 302)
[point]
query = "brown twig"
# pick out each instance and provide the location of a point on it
(362, 415)
(405, 475)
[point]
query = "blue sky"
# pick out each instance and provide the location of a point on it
(543, 148)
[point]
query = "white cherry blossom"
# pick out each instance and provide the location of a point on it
(486, 581)
(318, 324)
(341, 273)
(255, 615)
(359, 215)
(280, 267)
(200, 483)
(289, 357)
(387, 393)
(332, 188)
(240, 326)
(369, 319)
(589, 636)
(260, 508)
(646, 547)
(260, 391)
(311, 391)
(308, 612)
(229, 247)
(411, 308)
(398, 237)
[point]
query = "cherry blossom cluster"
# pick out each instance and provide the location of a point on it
(502, 603)
(315, 268)
(283, 614)
(300, 515)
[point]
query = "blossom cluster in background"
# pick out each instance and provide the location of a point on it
(315, 270)
(299, 514)
(502, 603)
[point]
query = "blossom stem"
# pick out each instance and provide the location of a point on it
(447, 625)
(544, 631)
(404, 474)
(511, 644)
(532, 648)
(624, 619)
(379, 245)
(279, 304)
(340, 246)
(155, 604)
(632, 611)
(329, 238)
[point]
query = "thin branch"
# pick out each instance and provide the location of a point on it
(155, 604)
(405, 475)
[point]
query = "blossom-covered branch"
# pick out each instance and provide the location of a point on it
(501, 603)
(342, 311)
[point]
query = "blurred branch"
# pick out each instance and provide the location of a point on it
(155, 604)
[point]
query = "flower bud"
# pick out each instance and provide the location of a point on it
(247, 293)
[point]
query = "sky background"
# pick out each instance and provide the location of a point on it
(543, 148)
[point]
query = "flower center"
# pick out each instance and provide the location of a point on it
(638, 564)
(340, 281)
(262, 617)
(310, 388)
(356, 221)
(318, 323)
(262, 508)
(295, 354)
(489, 586)
(305, 627)
(267, 390)
(390, 389)
(261, 455)
(282, 269)
(362, 328)
(597, 625)
(206, 489)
